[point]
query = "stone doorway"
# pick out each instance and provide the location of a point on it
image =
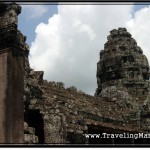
(35, 120)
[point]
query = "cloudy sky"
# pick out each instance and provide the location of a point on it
(65, 40)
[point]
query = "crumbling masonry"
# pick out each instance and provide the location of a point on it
(55, 115)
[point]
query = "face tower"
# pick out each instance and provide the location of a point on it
(122, 67)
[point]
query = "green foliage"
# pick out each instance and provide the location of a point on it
(72, 88)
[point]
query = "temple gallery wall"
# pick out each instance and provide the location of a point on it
(37, 111)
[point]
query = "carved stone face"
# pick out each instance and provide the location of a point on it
(122, 61)
(111, 69)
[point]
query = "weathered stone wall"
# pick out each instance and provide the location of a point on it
(54, 114)
(67, 113)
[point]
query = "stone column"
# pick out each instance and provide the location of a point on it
(12, 52)
(11, 97)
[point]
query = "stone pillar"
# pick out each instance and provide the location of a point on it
(11, 97)
(12, 52)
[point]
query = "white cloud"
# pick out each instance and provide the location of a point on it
(67, 48)
(34, 11)
(139, 27)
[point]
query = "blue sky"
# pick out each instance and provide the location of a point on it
(65, 40)
(27, 24)
(138, 6)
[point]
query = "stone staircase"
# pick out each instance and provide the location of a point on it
(29, 135)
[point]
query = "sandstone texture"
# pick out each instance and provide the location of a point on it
(54, 114)
(120, 104)
(12, 52)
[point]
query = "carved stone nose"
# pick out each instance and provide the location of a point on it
(110, 69)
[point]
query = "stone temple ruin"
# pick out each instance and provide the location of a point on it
(35, 111)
